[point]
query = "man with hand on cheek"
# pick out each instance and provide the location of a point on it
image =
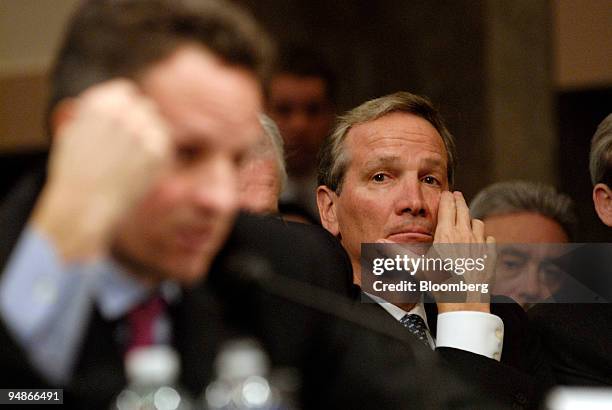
(384, 176)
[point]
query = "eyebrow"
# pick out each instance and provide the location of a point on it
(432, 162)
(382, 161)
(509, 250)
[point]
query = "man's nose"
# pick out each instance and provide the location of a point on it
(532, 289)
(410, 198)
(298, 120)
(215, 187)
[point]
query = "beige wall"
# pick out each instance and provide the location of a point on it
(582, 43)
(30, 31)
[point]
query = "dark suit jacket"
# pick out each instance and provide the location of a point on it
(343, 363)
(578, 341)
(522, 376)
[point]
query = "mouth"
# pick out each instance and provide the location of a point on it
(411, 235)
(193, 239)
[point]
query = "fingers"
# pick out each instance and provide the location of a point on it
(446, 211)
(454, 222)
(463, 213)
(478, 230)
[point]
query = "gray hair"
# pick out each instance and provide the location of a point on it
(510, 197)
(333, 159)
(600, 159)
(272, 146)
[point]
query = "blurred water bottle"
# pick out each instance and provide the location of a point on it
(152, 374)
(242, 380)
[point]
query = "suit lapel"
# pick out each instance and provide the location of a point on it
(199, 330)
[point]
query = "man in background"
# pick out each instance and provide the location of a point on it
(263, 174)
(520, 215)
(578, 336)
(301, 100)
(385, 175)
(600, 165)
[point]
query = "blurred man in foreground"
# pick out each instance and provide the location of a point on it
(142, 182)
(527, 220)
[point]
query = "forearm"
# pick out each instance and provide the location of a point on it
(44, 304)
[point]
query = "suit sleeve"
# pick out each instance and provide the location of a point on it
(44, 306)
(522, 377)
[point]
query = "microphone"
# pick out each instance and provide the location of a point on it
(255, 270)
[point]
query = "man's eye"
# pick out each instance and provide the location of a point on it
(431, 180)
(512, 263)
(283, 109)
(379, 177)
(240, 158)
(552, 273)
(187, 154)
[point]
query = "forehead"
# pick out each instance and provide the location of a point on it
(202, 98)
(295, 88)
(518, 228)
(401, 134)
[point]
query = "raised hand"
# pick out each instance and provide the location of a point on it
(456, 227)
(106, 154)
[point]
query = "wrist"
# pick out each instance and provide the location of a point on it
(79, 229)
(457, 307)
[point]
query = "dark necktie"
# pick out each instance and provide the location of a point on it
(416, 325)
(141, 321)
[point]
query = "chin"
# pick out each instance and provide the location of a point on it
(410, 237)
(188, 270)
(190, 276)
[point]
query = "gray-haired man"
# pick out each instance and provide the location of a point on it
(578, 337)
(385, 175)
(520, 215)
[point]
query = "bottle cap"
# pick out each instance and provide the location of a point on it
(157, 365)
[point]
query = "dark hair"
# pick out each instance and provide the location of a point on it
(303, 61)
(120, 38)
(333, 159)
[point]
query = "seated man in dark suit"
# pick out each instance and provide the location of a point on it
(385, 175)
(145, 95)
(153, 105)
(578, 337)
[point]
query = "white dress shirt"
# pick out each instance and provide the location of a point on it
(475, 332)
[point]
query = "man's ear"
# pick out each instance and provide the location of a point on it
(61, 115)
(602, 198)
(326, 201)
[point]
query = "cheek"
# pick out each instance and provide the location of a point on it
(363, 216)
(159, 201)
(433, 203)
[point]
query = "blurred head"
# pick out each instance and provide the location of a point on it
(200, 62)
(600, 162)
(301, 101)
(524, 218)
(382, 171)
(263, 175)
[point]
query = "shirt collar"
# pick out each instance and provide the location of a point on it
(397, 312)
(116, 292)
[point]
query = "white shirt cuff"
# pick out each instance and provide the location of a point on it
(476, 332)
